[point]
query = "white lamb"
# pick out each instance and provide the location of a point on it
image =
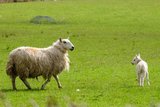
(141, 70)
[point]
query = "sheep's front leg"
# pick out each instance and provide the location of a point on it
(13, 83)
(57, 80)
(44, 85)
(26, 83)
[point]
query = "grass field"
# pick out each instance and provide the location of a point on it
(106, 33)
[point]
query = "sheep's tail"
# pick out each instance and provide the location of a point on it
(147, 77)
(10, 68)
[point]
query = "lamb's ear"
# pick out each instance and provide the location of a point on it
(139, 55)
(60, 39)
(68, 38)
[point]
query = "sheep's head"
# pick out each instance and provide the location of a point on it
(66, 44)
(136, 59)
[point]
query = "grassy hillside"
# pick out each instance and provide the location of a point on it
(106, 33)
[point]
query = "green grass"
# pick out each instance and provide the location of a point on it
(106, 34)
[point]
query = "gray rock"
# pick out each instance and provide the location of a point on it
(42, 20)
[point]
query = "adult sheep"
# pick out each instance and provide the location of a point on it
(30, 62)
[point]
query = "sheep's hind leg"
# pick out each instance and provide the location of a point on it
(26, 83)
(44, 85)
(57, 80)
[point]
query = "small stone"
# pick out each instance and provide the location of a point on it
(77, 90)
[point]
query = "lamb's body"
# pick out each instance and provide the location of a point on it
(29, 62)
(142, 72)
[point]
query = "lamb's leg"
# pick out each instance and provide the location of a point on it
(13, 83)
(57, 80)
(26, 83)
(147, 77)
(139, 79)
(142, 81)
(44, 85)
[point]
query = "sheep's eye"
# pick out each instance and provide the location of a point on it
(134, 59)
(64, 42)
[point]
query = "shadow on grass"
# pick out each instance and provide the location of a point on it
(130, 86)
(20, 90)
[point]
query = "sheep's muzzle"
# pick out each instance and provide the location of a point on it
(72, 49)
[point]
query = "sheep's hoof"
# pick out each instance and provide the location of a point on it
(60, 87)
(14, 89)
(42, 88)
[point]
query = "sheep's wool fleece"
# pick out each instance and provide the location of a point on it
(29, 62)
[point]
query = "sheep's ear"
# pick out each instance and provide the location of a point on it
(68, 38)
(139, 55)
(60, 39)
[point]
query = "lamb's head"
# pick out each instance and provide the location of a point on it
(65, 44)
(136, 59)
